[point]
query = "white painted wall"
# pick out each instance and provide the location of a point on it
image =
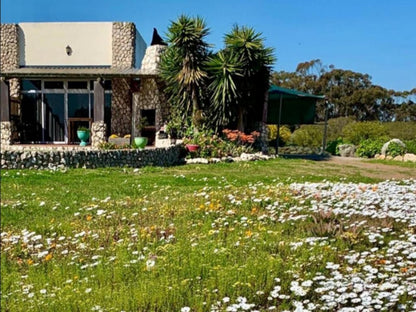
(44, 44)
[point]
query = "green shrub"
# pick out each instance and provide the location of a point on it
(358, 131)
(332, 146)
(335, 127)
(284, 132)
(395, 149)
(370, 147)
(307, 135)
(401, 130)
(411, 146)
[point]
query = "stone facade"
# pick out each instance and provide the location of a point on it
(151, 59)
(56, 158)
(123, 56)
(9, 48)
(121, 106)
(123, 45)
(9, 60)
(151, 96)
(98, 133)
(5, 133)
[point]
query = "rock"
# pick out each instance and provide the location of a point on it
(409, 157)
(398, 158)
(347, 150)
(386, 145)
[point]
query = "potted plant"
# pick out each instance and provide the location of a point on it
(172, 129)
(83, 134)
(191, 140)
(141, 141)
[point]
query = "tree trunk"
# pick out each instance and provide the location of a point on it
(240, 122)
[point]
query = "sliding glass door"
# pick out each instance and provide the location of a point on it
(54, 117)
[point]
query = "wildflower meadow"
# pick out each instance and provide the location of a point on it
(278, 235)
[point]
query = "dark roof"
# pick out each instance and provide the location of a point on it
(72, 72)
(292, 93)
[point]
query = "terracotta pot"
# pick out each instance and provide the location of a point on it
(192, 147)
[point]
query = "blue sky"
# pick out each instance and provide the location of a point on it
(376, 37)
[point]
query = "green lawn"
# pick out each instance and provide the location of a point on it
(223, 237)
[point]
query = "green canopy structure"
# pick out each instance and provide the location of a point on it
(291, 107)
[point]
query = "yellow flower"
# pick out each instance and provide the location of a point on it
(29, 261)
(249, 233)
(48, 257)
(89, 218)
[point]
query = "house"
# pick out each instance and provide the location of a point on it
(56, 77)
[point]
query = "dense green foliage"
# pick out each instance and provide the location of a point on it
(370, 147)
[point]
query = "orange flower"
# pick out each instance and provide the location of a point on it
(403, 270)
(48, 257)
(89, 218)
(29, 261)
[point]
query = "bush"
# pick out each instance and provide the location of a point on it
(356, 132)
(396, 149)
(335, 127)
(411, 146)
(401, 130)
(370, 147)
(284, 132)
(332, 146)
(308, 135)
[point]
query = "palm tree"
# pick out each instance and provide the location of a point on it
(224, 70)
(182, 65)
(255, 61)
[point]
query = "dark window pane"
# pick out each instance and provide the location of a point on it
(54, 85)
(77, 84)
(31, 110)
(107, 85)
(28, 85)
(78, 105)
(54, 117)
(150, 115)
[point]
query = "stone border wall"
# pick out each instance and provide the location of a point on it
(90, 158)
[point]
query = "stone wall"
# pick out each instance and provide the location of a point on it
(55, 158)
(123, 45)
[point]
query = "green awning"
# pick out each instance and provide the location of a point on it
(297, 107)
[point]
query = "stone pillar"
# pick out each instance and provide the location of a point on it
(5, 133)
(9, 60)
(98, 133)
(121, 106)
(123, 57)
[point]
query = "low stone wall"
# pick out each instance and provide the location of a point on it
(59, 158)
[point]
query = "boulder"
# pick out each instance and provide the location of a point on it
(386, 145)
(347, 150)
(409, 157)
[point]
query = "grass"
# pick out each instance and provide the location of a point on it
(164, 239)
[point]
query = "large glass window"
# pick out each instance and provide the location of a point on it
(51, 109)
(78, 105)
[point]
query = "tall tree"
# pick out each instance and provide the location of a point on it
(182, 65)
(255, 61)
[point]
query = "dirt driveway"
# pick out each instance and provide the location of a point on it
(370, 169)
